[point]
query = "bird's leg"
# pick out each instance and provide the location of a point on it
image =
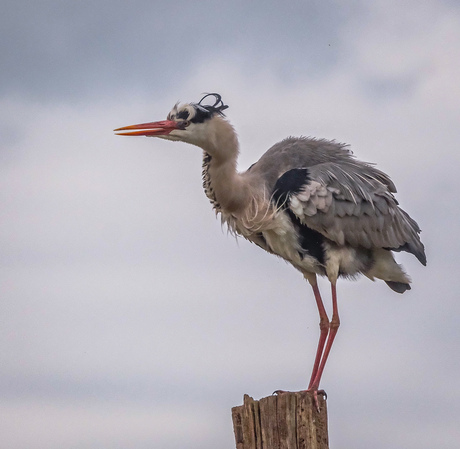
(333, 328)
(324, 329)
(328, 331)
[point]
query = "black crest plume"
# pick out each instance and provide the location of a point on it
(218, 105)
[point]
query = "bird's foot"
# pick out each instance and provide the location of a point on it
(313, 391)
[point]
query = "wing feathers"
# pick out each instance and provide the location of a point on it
(350, 203)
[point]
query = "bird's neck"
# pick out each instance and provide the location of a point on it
(207, 185)
(221, 181)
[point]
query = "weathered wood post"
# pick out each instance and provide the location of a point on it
(286, 421)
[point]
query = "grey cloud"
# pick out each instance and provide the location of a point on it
(58, 50)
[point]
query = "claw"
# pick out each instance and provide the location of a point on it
(277, 392)
(322, 393)
(313, 392)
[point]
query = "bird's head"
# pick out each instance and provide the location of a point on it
(190, 122)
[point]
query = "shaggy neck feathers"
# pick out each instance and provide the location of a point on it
(221, 181)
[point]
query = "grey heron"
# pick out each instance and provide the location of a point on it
(308, 201)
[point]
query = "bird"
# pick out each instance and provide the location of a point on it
(309, 201)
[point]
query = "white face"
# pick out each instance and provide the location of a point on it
(194, 122)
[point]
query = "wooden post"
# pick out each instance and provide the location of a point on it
(286, 421)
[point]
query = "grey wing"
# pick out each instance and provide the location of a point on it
(352, 203)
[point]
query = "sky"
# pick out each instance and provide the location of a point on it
(129, 317)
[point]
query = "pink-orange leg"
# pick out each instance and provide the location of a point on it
(333, 328)
(328, 331)
(324, 330)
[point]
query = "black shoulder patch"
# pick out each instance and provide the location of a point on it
(311, 241)
(289, 183)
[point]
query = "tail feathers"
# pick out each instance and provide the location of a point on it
(398, 287)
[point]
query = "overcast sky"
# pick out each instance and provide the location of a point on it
(129, 318)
